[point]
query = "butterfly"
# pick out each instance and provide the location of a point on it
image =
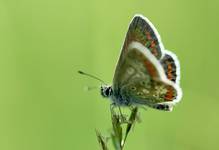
(146, 73)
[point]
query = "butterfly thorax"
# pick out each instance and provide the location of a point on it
(115, 96)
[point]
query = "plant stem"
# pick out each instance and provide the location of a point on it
(117, 136)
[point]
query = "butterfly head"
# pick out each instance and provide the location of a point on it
(106, 91)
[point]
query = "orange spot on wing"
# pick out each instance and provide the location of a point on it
(153, 48)
(154, 51)
(169, 71)
(150, 68)
(170, 94)
(153, 44)
(148, 35)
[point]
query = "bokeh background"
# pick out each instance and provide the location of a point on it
(43, 104)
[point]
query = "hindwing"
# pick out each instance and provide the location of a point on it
(142, 79)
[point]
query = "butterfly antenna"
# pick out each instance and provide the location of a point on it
(91, 76)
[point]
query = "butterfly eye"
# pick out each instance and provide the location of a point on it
(107, 91)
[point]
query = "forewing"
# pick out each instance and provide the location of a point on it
(144, 32)
(137, 62)
(140, 30)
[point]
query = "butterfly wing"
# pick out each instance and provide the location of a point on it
(171, 66)
(142, 80)
(139, 76)
(140, 30)
(144, 32)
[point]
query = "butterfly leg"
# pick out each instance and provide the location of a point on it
(112, 106)
(137, 116)
(122, 117)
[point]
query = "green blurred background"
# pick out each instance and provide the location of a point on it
(43, 105)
